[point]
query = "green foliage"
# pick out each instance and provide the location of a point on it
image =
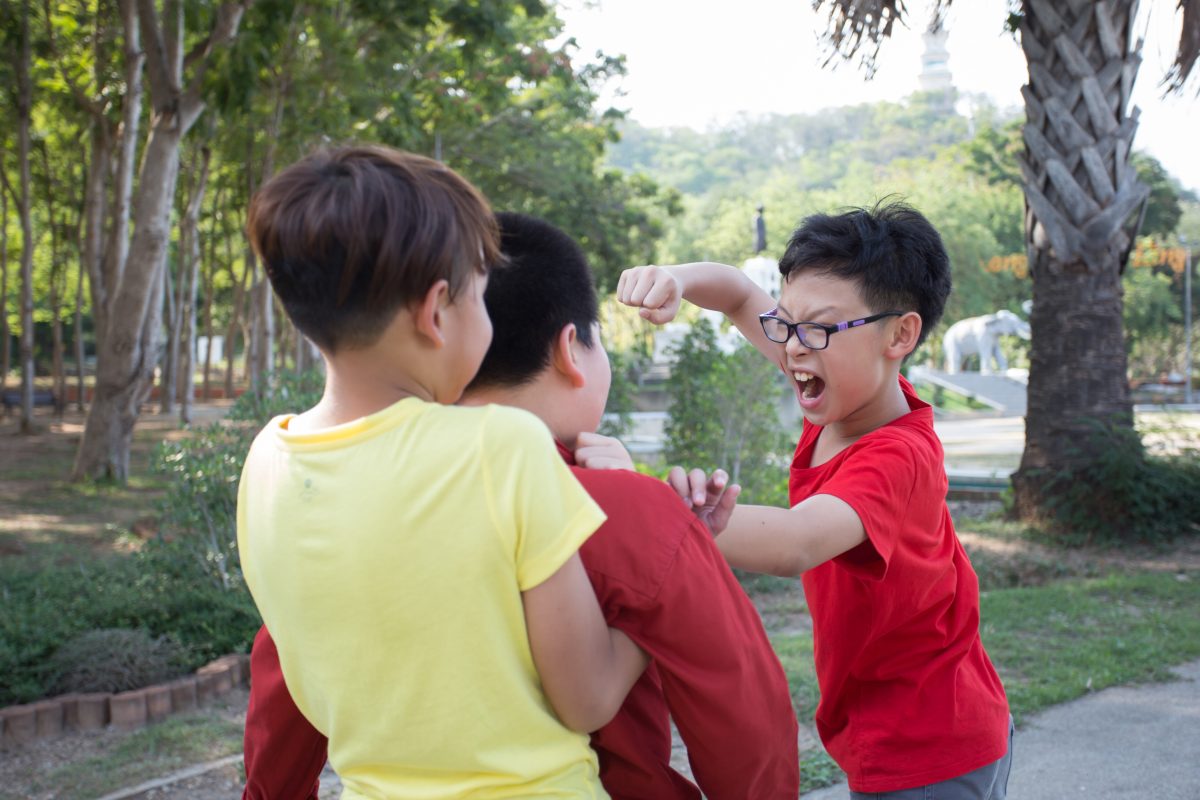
(620, 402)
(724, 414)
(1117, 492)
(1153, 318)
(114, 660)
(1163, 210)
(159, 589)
(199, 514)
(285, 393)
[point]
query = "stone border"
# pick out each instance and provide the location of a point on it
(54, 716)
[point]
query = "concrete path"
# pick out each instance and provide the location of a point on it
(1123, 743)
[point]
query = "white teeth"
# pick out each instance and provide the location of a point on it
(801, 376)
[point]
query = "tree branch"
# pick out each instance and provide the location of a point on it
(225, 28)
(157, 69)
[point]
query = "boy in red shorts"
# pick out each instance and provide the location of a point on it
(654, 567)
(911, 706)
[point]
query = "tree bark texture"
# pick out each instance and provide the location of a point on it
(5, 333)
(24, 109)
(190, 260)
(130, 349)
(1083, 204)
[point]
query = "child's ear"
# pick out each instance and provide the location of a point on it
(563, 358)
(905, 334)
(428, 316)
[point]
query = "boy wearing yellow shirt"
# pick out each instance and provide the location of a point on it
(416, 562)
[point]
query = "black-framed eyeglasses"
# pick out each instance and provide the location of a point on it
(812, 335)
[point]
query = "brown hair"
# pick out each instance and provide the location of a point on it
(350, 235)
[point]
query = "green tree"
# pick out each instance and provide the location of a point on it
(725, 414)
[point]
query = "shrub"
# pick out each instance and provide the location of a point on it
(199, 513)
(160, 589)
(284, 393)
(114, 660)
(1124, 494)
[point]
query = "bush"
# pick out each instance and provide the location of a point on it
(114, 660)
(285, 393)
(161, 590)
(1121, 493)
(199, 513)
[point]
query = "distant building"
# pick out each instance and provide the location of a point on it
(764, 272)
(935, 62)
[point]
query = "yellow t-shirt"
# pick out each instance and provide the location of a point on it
(387, 557)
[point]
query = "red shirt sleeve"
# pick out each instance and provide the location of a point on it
(284, 753)
(724, 684)
(660, 579)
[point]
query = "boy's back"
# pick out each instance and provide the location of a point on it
(384, 549)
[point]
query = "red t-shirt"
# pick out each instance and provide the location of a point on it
(659, 578)
(908, 695)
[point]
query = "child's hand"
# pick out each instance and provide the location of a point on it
(594, 451)
(653, 290)
(712, 498)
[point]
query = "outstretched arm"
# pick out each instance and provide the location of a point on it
(586, 667)
(658, 291)
(788, 541)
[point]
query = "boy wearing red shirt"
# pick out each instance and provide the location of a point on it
(910, 703)
(655, 569)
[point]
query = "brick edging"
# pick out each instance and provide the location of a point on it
(45, 719)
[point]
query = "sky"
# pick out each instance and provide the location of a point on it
(700, 63)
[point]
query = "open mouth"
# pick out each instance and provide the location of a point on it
(810, 386)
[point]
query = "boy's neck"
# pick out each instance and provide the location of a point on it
(889, 406)
(357, 386)
(541, 397)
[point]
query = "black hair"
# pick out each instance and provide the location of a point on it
(544, 286)
(891, 251)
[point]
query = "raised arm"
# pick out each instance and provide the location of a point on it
(788, 541)
(586, 667)
(658, 291)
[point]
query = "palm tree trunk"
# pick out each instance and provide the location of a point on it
(1083, 204)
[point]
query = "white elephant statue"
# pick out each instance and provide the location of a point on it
(981, 336)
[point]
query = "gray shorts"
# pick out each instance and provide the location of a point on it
(986, 783)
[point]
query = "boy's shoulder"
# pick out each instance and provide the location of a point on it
(647, 524)
(635, 496)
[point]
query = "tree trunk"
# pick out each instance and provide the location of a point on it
(80, 352)
(55, 225)
(132, 344)
(167, 383)
(1082, 203)
(209, 273)
(24, 108)
(190, 259)
(5, 333)
(240, 295)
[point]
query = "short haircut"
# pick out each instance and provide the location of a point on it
(544, 286)
(350, 235)
(891, 252)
